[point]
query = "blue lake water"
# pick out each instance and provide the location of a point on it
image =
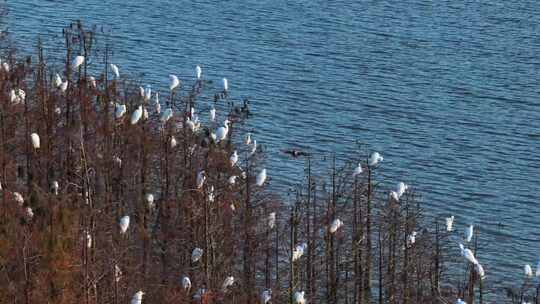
(447, 91)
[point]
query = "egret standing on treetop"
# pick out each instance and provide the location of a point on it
(137, 297)
(200, 179)
(117, 273)
(55, 187)
(77, 62)
(199, 72)
(149, 200)
(173, 82)
(92, 81)
(124, 224)
(336, 224)
(271, 220)
(18, 198)
(449, 223)
(136, 115)
(57, 80)
(234, 158)
(468, 254)
(299, 297)
(225, 85)
(227, 283)
(298, 251)
(115, 71)
(212, 114)
(358, 170)
(232, 179)
(375, 159)
(528, 271)
(186, 283)
(64, 86)
(261, 178)
(35, 140)
(221, 132)
(401, 188)
(248, 139)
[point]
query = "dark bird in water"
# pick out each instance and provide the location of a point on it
(296, 153)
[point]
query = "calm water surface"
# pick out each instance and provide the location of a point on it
(448, 91)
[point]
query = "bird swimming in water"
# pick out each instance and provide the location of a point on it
(295, 153)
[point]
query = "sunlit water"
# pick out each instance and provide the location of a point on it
(448, 91)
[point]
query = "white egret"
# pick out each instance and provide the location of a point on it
(234, 158)
(213, 136)
(401, 188)
(253, 148)
(137, 297)
(528, 271)
(92, 81)
(358, 170)
(375, 159)
(248, 139)
(77, 61)
(298, 251)
(54, 187)
(18, 198)
(299, 297)
(173, 142)
(201, 177)
(469, 233)
(149, 197)
(0, 186)
(196, 255)
(5, 67)
(227, 283)
(271, 220)
(232, 179)
(117, 273)
(480, 271)
(57, 110)
(124, 224)
(460, 301)
(266, 295)
(449, 223)
(221, 132)
(225, 85)
(186, 283)
(468, 254)
(411, 239)
(336, 224)
(17, 96)
(173, 82)
(57, 80)
(35, 140)
(64, 86)
(211, 194)
(136, 115)
(394, 196)
(158, 108)
(141, 92)
(88, 240)
(261, 178)
(198, 69)
(114, 69)
(120, 110)
(212, 114)
(29, 212)
(166, 115)
(117, 160)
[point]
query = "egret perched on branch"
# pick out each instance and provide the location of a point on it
(17, 96)
(120, 110)
(394, 196)
(234, 158)
(173, 142)
(271, 220)
(449, 223)
(196, 255)
(64, 86)
(115, 71)
(528, 271)
(29, 212)
(480, 271)
(298, 251)
(460, 301)
(225, 85)
(149, 200)
(211, 195)
(35, 140)
(88, 240)
(299, 297)
(401, 188)
(198, 71)
(5, 67)
(117, 273)
(261, 178)
(469, 233)
(212, 114)
(136, 115)
(227, 283)
(375, 159)
(358, 170)
(232, 179)
(221, 132)
(468, 254)
(141, 92)
(201, 177)
(166, 115)
(266, 296)
(186, 283)
(77, 62)
(248, 139)
(18, 198)
(336, 224)
(411, 239)
(253, 148)
(124, 224)
(55, 187)
(92, 81)
(173, 82)
(137, 297)
(57, 80)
